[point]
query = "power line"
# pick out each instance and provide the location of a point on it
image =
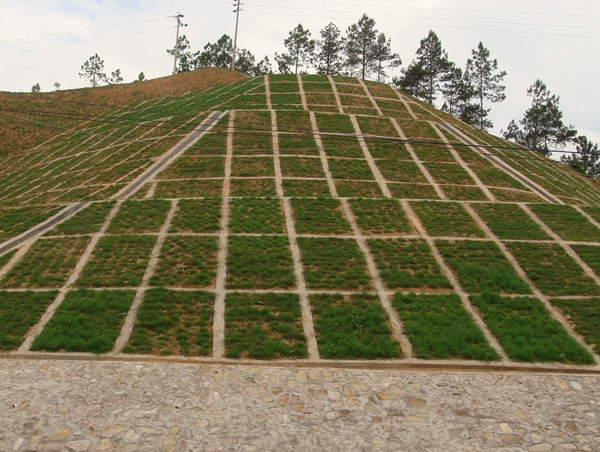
(307, 131)
(387, 14)
(394, 6)
(321, 16)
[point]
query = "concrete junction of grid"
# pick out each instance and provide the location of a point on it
(123, 402)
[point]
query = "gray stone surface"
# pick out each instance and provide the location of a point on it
(104, 406)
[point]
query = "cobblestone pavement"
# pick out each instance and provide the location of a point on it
(102, 406)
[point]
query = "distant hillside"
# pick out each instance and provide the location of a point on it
(27, 120)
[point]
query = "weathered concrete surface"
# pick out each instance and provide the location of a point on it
(101, 406)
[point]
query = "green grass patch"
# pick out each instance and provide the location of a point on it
(567, 222)
(382, 90)
(418, 129)
(514, 196)
(350, 169)
(482, 267)
(301, 167)
(444, 219)
(252, 167)
(432, 152)
(118, 261)
(324, 108)
(265, 326)
(350, 89)
(194, 168)
(187, 262)
(366, 111)
(214, 143)
(527, 332)
(464, 193)
(197, 216)
(352, 327)
(47, 264)
(316, 87)
(380, 217)
(253, 188)
(253, 121)
(289, 87)
(342, 146)
(306, 188)
(333, 264)
(298, 145)
(291, 121)
(18, 220)
(19, 311)
(585, 316)
(384, 149)
(413, 191)
(492, 176)
(343, 79)
(320, 216)
(439, 327)
(552, 269)
(320, 99)
(252, 143)
(407, 264)
(334, 123)
(86, 321)
(509, 221)
(355, 101)
(173, 323)
(449, 173)
(256, 216)
(401, 171)
(135, 217)
(593, 212)
(590, 255)
(6, 257)
(88, 221)
(259, 263)
(358, 189)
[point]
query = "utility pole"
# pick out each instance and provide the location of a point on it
(237, 5)
(178, 18)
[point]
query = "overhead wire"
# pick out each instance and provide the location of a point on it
(330, 134)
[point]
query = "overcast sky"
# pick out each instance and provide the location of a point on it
(46, 41)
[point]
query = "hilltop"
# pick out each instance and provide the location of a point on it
(32, 118)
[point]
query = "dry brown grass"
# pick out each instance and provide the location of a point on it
(65, 109)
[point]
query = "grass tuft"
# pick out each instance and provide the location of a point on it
(352, 327)
(439, 327)
(527, 332)
(86, 321)
(173, 323)
(265, 326)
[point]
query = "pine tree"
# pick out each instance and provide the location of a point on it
(300, 48)
(184, 55)
(36, 88)
(329, 58)
(361, 39)
(383, 57)
(412, 81)
(115, 77)
(542, 126)
(93, 70)
(218, 54)
(483, 74)
(452, 89)
(434, 61)
(586, 159)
